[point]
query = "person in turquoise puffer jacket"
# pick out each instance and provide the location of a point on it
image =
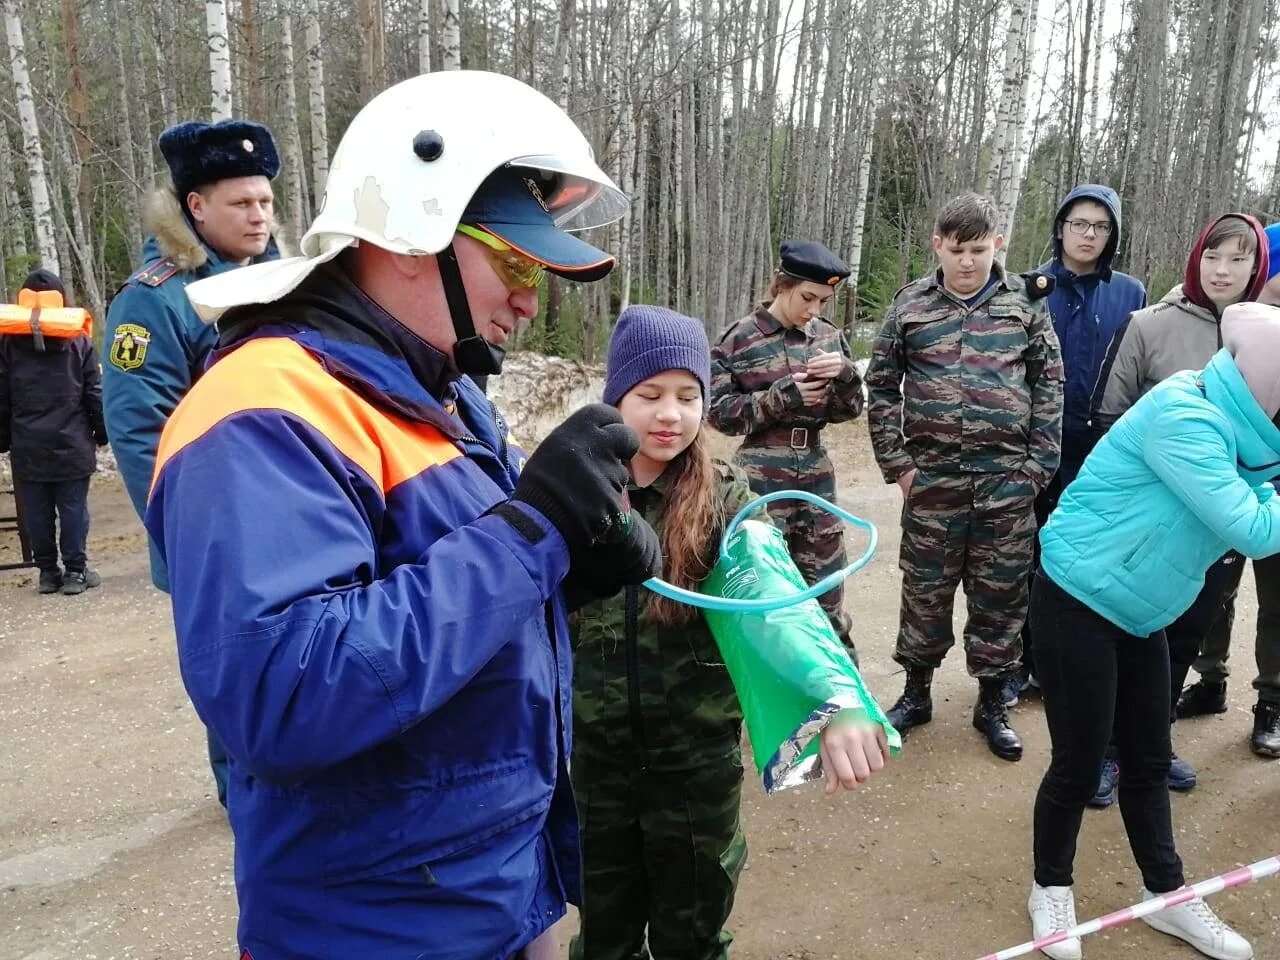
(1179, 480)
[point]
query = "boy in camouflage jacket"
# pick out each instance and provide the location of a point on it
(965, 414)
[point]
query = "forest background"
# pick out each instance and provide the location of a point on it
(732, 124)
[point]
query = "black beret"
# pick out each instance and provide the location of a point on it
(200, 153)
(42, 279)
(807, 260)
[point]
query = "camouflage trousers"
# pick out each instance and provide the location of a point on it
(661, 855)
(972, 529)
(815, 538)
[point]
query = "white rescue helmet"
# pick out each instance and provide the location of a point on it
(409, 163)
(413, 157)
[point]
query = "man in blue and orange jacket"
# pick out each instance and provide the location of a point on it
(370, 594)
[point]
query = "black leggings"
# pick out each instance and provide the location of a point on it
(1096, 678)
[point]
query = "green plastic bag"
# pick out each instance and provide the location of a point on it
(790, 670)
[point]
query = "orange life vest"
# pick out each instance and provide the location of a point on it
(42, 313)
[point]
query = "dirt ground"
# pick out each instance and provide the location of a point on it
(112, 846)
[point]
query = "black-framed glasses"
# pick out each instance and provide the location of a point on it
(1101, 228)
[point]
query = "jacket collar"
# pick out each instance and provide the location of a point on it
(768, 324)
(361, 344)
(171, 236)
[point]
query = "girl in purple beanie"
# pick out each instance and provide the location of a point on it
(657, 766)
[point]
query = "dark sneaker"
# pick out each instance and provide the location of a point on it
(1265, 741)
(1011, 688)
(1202, 698)
(50, 581)
(78, 581)
(1182, 775)
(1108, 784)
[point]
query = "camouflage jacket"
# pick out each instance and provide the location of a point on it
(657, 695)
(751, 376)
(966, 389)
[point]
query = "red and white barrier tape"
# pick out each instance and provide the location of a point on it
(1224, 881)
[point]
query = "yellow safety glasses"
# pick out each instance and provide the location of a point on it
(514, 269)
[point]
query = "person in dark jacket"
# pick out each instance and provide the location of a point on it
(1090, 301)
(51, 424)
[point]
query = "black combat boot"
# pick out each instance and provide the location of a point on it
(1202, 698)
(991, 718)
(1266, 730)
(914, 708)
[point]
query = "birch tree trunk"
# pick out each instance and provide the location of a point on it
(315, 93)
(297, 222)
(1011, 173)
(42, 211)
(451, 37)
(864, 173)
(215, 14)
(1014, 43)
(424, 36)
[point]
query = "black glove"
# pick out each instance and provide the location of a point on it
(577, 475)
(619, 562)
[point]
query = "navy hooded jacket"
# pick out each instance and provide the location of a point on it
(1087, 313)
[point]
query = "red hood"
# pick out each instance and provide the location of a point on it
(1191, 282)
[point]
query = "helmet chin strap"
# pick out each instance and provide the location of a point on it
(472, 354)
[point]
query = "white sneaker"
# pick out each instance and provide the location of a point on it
(1199, 926)
(1053, 910)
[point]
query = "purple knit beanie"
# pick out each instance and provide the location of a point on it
(649, 340)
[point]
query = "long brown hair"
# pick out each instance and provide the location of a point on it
(692, 518)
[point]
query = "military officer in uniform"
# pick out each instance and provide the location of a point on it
(778, 376)
(215, 216)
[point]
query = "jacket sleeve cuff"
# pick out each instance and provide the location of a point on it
(533, 539)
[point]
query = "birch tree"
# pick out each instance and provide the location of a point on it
(451, 37)
(424, 36)
(316, 98)
(215, 13)
(33, 153)
(297, 204)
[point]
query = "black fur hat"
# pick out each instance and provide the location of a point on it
(200, 153)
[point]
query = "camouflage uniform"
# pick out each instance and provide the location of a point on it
(657, 772)
(971, 396)
(753, 393)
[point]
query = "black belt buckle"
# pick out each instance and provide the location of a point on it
(799, 438)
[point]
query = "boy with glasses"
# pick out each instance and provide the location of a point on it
(1089, 303)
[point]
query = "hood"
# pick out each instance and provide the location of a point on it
(176, 239)
(1257, 438)
(1191, 288)
(1251, 334)
(1109, 199)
